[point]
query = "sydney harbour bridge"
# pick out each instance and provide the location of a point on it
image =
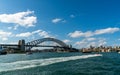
(36, 43)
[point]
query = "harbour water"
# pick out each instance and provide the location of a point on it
(60, 64)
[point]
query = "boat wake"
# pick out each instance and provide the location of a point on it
(18, 65)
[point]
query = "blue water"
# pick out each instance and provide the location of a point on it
(60, 64)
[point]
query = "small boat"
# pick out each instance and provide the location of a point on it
(119, 52)
(98, 54)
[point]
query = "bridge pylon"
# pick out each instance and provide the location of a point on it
(21, 44)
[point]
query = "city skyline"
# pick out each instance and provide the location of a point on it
(78, 22)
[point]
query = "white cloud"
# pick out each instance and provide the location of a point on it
(21, 18)
(107, 30)
(56, 20)
(90, 39)
(4, 38)
(15, 27)
(66, 41)
(41, 33)
(26, 34)
(77, 34)
(37, 31)
(87, 43)
(81, 42)
(44, 34)
(4, 35)
(97, 44)
(102, 42)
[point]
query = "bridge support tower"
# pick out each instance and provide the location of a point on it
(21, 44)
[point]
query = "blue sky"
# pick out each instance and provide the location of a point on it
(78, 22)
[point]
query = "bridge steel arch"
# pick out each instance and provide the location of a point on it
(36, 42)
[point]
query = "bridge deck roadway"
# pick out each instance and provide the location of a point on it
(29, 45)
